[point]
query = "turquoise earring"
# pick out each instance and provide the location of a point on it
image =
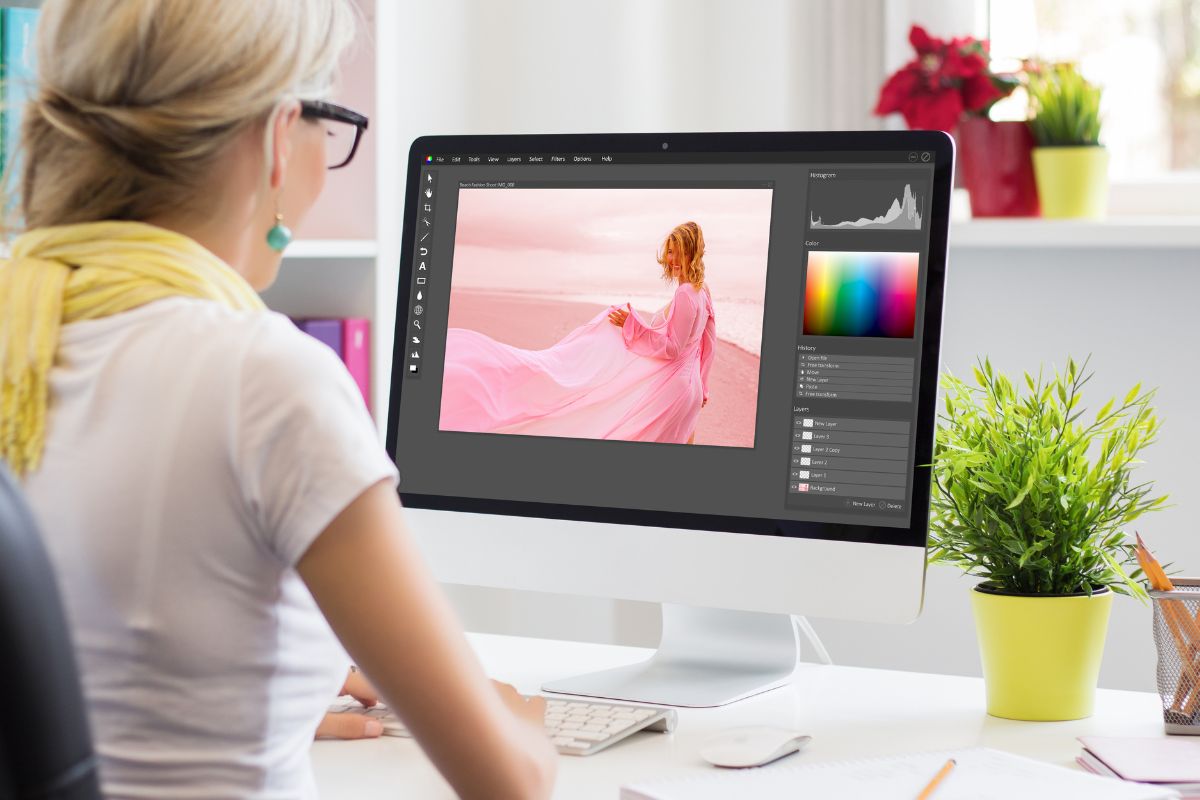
(280, 236)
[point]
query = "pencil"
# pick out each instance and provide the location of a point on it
(1183, 628)
(931, 787)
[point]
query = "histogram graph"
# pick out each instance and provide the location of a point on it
(866, 204)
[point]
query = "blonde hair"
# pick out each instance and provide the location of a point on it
(136, 99)
(688, 241)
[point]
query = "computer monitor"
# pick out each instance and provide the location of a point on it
(750, 443)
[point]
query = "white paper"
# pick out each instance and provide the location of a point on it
(980, 774)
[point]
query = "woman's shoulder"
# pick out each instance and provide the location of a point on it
(292, 356)
(698, 295)
(258, 344)
(260, 334)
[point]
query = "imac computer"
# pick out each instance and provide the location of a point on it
(694, 369)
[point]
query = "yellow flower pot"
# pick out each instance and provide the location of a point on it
(1041, 654)
(1072, 181)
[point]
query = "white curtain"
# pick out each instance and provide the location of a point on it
(477, 66)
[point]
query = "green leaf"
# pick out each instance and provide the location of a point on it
(1022, 494)
(1027, 494)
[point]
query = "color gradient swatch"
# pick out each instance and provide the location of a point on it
(861, 294)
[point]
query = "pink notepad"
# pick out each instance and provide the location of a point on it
(1148, 760)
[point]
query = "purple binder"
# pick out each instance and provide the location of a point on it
(328, 331)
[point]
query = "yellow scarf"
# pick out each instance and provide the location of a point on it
(69, 273)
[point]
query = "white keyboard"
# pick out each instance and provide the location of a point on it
(576, 727)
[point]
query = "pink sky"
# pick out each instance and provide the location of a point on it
(604, 241)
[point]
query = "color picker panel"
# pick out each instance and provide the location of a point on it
(861, 294)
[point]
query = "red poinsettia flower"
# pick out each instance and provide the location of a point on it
(922, 42)
(944, 81)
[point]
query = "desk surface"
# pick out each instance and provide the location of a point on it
(850, 713)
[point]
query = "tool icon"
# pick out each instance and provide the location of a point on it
(417, 324)
(422, 266)
(424, 251)
(426, 221)
(419, 297)
(418, 310)
(429, 192)
(416, 340)
(416, 354)
(421, 279)
(428, 178)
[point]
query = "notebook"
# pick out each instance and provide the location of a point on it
(1149, 760)
(356, 353)
(980, 774)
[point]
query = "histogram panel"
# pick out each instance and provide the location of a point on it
(866, 204)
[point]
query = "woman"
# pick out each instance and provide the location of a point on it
(645, 382)
(211, 489)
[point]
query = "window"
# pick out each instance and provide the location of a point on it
(1146, 55)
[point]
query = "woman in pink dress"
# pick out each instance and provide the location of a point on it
(618, 376)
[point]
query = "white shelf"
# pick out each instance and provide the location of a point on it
(332, 248)
(1159, 233)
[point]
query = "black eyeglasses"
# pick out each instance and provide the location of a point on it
(344, 134)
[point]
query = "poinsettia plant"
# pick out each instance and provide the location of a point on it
(948, 78)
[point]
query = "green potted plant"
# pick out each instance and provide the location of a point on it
(1035, 495)
(1069, 163)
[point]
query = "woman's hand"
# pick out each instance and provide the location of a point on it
(618, 316)
(358, 687)
(532, 710)
(345, 725)
(353, 726)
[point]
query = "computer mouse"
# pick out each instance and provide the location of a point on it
(751, 746)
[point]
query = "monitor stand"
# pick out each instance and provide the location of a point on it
(706, 657)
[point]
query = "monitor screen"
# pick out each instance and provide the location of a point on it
(734, 332)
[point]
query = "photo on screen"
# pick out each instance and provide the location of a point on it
(861, 294)
(539, 277)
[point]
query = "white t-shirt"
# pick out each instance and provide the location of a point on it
(193, 454)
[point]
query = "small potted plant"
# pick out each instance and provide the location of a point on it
(950, 86)
(1070, 164)
(1035, 496)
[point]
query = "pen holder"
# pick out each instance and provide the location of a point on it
(1177, 638)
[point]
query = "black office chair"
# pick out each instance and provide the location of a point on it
(45, 745)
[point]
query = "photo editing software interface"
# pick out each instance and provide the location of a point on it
(729, 334)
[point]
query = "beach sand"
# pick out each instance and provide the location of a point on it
(535, 324)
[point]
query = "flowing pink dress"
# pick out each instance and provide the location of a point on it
(642, 382)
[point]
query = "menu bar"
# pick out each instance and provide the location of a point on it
(666, 157)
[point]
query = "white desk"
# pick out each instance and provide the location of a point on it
(850, 713)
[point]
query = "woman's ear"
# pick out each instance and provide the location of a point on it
(281, 124)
